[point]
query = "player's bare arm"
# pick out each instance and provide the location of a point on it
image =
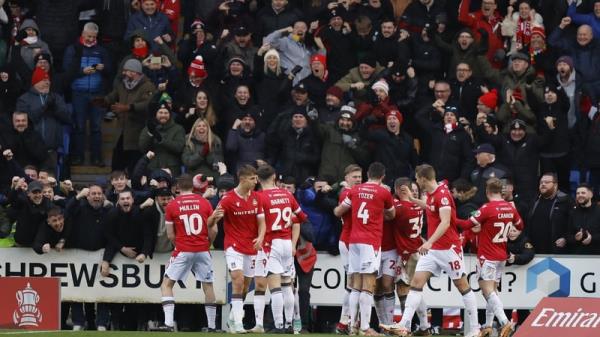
(262, 228)
(170, 231)
(389, 214)
(341, 209)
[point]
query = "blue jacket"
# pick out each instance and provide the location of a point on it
(78, 57)
(322, 220)
(585, 19)
(154, 25)
(586, 58)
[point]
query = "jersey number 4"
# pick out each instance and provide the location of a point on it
(281, 214)
(502, 235)
(192, 223)
(363, 213)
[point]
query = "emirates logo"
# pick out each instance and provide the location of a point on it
(28, 313)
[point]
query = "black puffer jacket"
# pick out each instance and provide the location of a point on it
(396, 152)
(585, 219)
(299, 153)
(86, 225)
(449, 153)
(29, 216)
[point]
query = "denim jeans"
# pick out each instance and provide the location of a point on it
(83, 110)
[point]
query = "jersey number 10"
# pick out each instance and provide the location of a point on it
(192, 223)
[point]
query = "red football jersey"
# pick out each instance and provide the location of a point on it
(240, 220)
(189, 214)
(408, 224)
(387, 239)
(495, 218)
(279, 206)
(346, 219)
(368, 201)
(441, 198)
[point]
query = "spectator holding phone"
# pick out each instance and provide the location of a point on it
(88, 68)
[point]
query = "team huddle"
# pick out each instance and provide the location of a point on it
(381, 247)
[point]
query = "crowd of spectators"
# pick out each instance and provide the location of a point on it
(478, 89)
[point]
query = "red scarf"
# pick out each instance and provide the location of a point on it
(140, 53)
(82, 41)
(523, 31)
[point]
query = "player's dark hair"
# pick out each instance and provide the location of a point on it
(265, 172)
(246, 171)
(288, 180)
(352, 168)
(425, 171)
(376, 170)
(402, 181)
(185, 182)
(96, 185)
(462, 185)
(493, 186)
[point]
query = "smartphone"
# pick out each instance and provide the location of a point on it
(155, 60)
(94, 65)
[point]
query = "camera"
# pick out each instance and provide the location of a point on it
(296, 70)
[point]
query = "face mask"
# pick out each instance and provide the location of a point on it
(31, 39)
(82, 41)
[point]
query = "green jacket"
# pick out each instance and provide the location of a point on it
(353, 76)
(335, 155)
(196, 161)
(132, 122)
(168, 150)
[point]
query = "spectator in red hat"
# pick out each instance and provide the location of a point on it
(318, 81)
(393, 147)
(48, 113)
(197, 79)
(488, 102)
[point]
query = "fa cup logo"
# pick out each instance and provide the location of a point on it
(27, 314)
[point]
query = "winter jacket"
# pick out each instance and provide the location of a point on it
(28, 216)
(522, 249)
(320, 215)
(133, 121)
(467, 93)
(48, 113)
(584, 19)
(126, 229)
(560, 142)
(353, 76)
(340, 149)
(27, 146)
(556, 222)
(47, 234)
(427, 61)
(154, 25)
(77, 57)
(271, 91)
(317, 88)
(86, 225)
(449, 153)
(270, 21)
(585, 219)
(418, 15)
(586, 59)
(199, 159)
(396, 152)
(480, 176)
(476, 20)
(21, 55)
(341, 56)
(298, 153)
(245, 147)
(471, 55)
(388, 49)
(291, 53)
(167, 149)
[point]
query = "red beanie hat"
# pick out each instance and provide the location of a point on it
(319, 58)
(539, 31)
(396, 114)
(39, 75)
(335, 91)
(197, 68)
(490, 99)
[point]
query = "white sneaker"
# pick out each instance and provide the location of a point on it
(77, 328)
(101, 328)
(237, 328)
(257, 329)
